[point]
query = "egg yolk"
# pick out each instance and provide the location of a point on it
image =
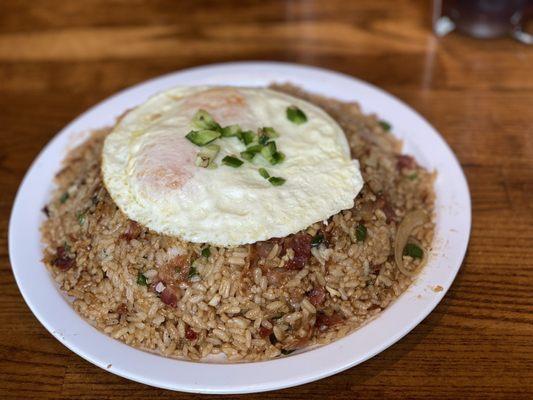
(226, 105)
(167, 162)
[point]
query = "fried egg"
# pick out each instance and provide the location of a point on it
(151, 169)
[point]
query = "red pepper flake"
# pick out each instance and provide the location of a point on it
(190, 334)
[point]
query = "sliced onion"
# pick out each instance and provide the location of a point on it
(411, 221)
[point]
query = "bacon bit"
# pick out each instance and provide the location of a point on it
(46, 211)
(383, 204)
(261, 250)
(133, 231)
(316, 296)
(302, 342)
(253, 258)
(277, 276)
(122, 309)
(168, 296)
(375, 268)
(62, 260)
(170, 293)
(405, 162)
(300, 243)
(324, 322)
(179, 264)
(296, 295)
(264, 332)
(190, 334)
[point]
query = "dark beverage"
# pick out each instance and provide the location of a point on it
(481, 18)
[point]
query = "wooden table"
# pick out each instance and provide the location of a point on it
(57, 58)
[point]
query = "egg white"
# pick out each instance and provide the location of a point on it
(148, 168)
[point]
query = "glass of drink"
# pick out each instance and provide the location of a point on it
(483, 19)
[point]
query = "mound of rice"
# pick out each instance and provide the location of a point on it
(252, 302)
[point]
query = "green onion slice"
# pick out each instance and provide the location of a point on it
(204, 121)
(271, 154)
(248, 155)
(251, 151)
(192, 272)
(267, 133)
(270, 132)
(276, 180)
(360, 232)
(231, 130)
(203, 137)
(141, 280)
(247, 137)
(256, 148)
(231, 161)
(264, 173)
(317, 239)
(413, 251)
(385, 125)
(268, 151)
(81, 217)
(206, 252)
(64, 197)
(277, 157)
(296, 116)
(263, 140)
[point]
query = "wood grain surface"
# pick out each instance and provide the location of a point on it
(57, 58)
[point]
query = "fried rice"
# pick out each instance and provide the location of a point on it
(252, 302)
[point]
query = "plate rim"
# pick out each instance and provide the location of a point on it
(265, 386)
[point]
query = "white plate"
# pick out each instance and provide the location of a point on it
(53, 310)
